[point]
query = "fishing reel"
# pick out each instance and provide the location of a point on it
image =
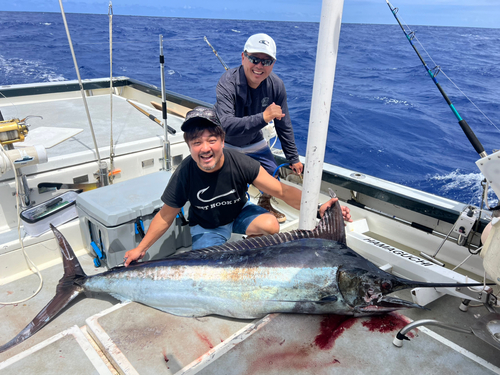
(12, 131)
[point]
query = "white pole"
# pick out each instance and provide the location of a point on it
(324, 75)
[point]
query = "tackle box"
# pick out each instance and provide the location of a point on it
(114, 219)
(56, 211)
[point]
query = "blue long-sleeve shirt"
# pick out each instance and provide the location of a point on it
(240, 108)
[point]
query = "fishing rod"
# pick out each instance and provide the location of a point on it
(166, 143)
(463, 124)
(216, 54)
(152, 117)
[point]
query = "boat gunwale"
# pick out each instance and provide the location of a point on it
(392, 197)
(12, 91)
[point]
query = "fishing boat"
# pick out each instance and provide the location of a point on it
(74, 181)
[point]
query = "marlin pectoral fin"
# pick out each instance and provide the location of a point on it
(328, 299)
(388, 304)
(189, 312)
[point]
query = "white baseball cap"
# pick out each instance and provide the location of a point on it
(261, 43)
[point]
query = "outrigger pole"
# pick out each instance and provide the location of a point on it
(463, 124)
(111, 143)
(103, 167)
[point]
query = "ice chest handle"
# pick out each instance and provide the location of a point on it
(99, 254)
(139, 224)
(139, 227)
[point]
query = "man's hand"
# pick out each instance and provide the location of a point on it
(273, 112)
(297, 168)
(345, 210)
(134, 254)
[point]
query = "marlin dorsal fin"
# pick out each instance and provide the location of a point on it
(330, 227)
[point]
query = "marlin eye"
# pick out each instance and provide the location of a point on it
(386, 285)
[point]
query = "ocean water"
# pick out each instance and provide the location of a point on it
(387, 117)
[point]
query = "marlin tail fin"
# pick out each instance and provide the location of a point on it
(67, 290)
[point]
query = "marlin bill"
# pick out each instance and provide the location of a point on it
(303, 272)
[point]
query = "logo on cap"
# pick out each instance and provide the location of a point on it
(264, 42)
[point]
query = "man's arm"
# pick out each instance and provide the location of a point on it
(289, 194)
(272, 186)
(159, 225)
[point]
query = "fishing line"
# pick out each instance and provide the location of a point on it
(30, 263)
(413, 36)
(32, 266)
(12, 104)
(474, 104)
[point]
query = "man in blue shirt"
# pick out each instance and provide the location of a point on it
(248, 98)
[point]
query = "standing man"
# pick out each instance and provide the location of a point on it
(215, 182)
(248, 98)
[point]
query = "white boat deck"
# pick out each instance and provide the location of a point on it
(140, 340)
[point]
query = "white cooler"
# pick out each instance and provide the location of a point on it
(114, 218)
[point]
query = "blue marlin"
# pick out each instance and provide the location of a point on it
(301, 271)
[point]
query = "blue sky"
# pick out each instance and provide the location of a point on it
(473, 13)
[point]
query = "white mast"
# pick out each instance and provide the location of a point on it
(326, 61)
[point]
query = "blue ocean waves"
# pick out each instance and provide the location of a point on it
(387, 117)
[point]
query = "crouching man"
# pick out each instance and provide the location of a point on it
(215, 182)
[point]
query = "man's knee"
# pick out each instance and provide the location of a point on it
(203, 240)
(263, 225)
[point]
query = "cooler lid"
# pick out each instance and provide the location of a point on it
(122, 202)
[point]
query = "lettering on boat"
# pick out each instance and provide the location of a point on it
(401, 253)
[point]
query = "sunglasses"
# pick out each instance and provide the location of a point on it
(256, 60)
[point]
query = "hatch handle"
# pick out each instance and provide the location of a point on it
(139, 227)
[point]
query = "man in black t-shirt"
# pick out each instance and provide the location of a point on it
(215, 182)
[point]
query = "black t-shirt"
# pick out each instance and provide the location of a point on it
(216, 198)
